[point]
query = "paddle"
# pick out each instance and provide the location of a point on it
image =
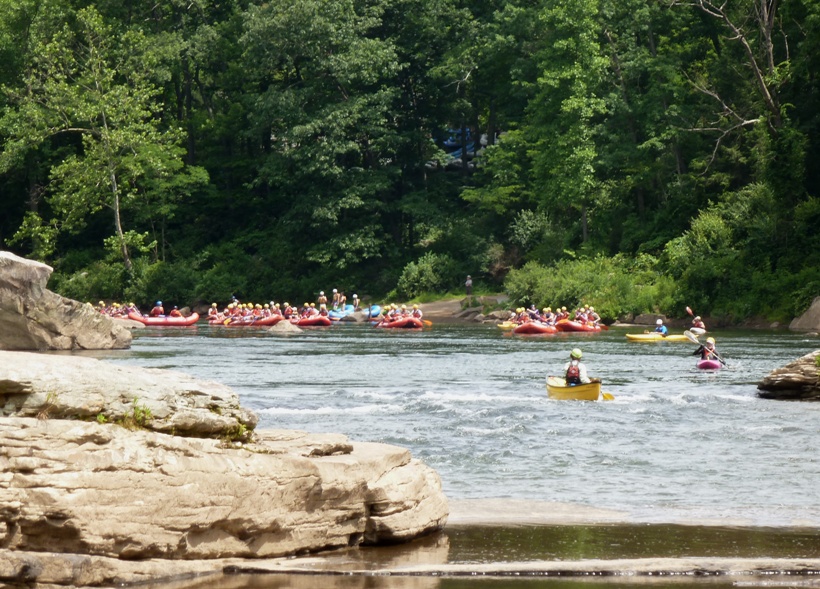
(606, 396)
(427, 322)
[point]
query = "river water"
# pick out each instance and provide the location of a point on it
(676, 445)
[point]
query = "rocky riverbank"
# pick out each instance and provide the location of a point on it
(797, 381)
(114, 475)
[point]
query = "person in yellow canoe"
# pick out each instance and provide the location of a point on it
(575, 371)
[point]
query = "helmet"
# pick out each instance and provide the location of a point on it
(576, 353)
(710, 340)
(102, 303)
(415, 306)
(313, 304)
(267, 306)
(404, 307)
(563, 308)
(258, 306)
(592, 308)
(355, 296)
(213, 304)
(586, 306)
(321, 292)
(287, 304)
(545, 309)
(334, 290)
(159, 303)
(659, 322)
(697, 318)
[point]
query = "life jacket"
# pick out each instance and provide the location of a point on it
(573, 373)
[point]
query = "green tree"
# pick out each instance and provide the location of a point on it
(84, 89)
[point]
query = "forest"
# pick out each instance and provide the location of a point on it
(637, 155)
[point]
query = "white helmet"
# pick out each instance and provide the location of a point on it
(659, 322)
(321, 292)
(355, 296)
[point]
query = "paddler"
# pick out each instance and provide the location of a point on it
(698, 323)
(574, 370)
(158, 310)
(661, 328)
(707, 351)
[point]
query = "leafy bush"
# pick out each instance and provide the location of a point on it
(100, 280)
(431, 273)
(614, 286)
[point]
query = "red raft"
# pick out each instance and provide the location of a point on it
(315, 321)
(165, 321)
(402, 323)
(534, 328)
(569, 325)
(248, 321)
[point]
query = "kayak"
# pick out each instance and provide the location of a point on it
(568, 325)
(534, 328)
(316, 321)
(655, 337)
(507, 325)
(248, 321)
(165, 321)
(557, 388)
(708, 364)
(403, 323)
(697, 330)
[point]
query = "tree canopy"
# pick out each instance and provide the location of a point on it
(639, 154)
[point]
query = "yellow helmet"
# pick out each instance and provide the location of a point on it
(102, 303)
(549, 309)
(404, 307)
(563, 308)
(213, 304)
(415, 306)
(313, 304)
(710, 340)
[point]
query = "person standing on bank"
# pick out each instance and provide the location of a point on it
(468, 285)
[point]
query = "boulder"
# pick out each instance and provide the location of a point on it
(34, 318)
(808, 321)
(64, 387)
(285, 328)
(99, 486)
(797, 380)
(103, 490)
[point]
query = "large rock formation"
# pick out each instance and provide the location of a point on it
(808, 321)
(34, 318)
(79, 495)
(797, 380)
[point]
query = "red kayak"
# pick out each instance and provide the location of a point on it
(165, 321)
(316, 321)
(534, 328)
(568, 325)
(248, 321)
(708, 364)
(402, 323)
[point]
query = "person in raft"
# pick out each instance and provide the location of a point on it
(175, 312)
(576, 372)
(707, 351)
(661, 328)
(698, 323)
(157, 311)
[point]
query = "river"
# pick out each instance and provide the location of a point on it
(676, 446)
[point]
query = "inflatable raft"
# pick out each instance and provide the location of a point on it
(402, 323)
(569, 325)
(165, 321)
(247, 321)
(316, 321)
(534, 328)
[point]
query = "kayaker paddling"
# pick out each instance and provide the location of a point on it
(575, 370)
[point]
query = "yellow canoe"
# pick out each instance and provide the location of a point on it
(654, 336)
(557, 389)
(507, 325)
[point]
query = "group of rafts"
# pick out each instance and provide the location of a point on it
(531, 321)
(237, 314)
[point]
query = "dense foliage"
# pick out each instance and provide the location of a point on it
(637, 154)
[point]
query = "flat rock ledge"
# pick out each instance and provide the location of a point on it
(99, 486)
(797, 381)
(34, 318)
(56, 386)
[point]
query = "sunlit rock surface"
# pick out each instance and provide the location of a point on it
(797, 380)
(34, 318)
